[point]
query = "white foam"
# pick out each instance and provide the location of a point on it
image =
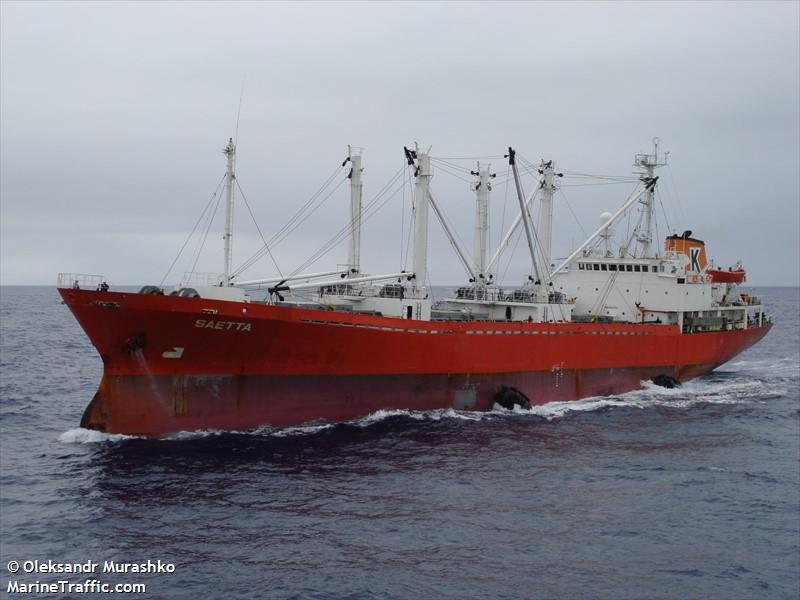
(293, 431)
(383, 414)
(194, 435)
(79, 435)
(690, 394)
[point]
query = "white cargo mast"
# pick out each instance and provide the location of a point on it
(230, 176)
(545, 229)
(644, 231)
(480, 247)
(421, 201)
(356, 189)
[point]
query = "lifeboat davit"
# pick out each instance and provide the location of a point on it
(731, 276)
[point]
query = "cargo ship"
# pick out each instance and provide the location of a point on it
(221, 352)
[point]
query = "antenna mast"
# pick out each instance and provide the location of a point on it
(649, 163)
(230, 176)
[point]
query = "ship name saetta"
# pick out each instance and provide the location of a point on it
(223, 325)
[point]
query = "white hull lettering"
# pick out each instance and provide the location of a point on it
(176, 352)
(223, 325)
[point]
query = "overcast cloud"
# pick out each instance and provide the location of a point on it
(113, 116)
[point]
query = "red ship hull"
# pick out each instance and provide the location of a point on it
(175, 363)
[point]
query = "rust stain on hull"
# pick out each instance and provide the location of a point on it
(95, 415)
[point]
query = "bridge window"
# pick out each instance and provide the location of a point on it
(637, 268)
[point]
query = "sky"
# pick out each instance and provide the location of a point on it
(113, 117)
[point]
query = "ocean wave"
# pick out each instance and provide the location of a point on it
(772, 367)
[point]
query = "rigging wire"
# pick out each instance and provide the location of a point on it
(524, 160)
(510, 256)
(204, 226)
(663, 210)
(448, 170)
(286, 234)
(341, 235)
(292, 223)
(430, 287)
(205, 236)
(252, 216)
(593, 176)
(410, 224)
(677, 194)
(529, 213)
(523, 171)
(454, 243)
(367, 212)
(466, 157)
(629, 233)
(572, 212)
(505, 200)
(191, 233)
(452, 165)
(593, 184)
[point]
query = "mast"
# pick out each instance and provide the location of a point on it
(529, 235)
(644, 231)
(421, 201)
(545, 228)
(480, 246)
(356, 189)
(230, 176)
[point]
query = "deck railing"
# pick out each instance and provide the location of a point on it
(81, 281)
(501, 295)
(192, 278)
